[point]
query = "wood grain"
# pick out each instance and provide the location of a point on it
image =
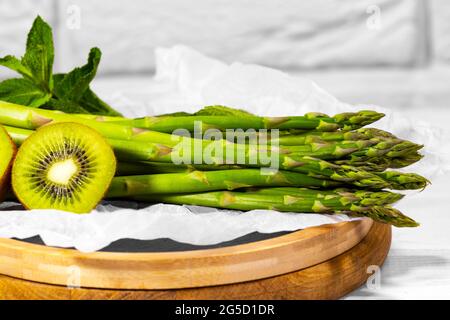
(330, 279)
(185, 269)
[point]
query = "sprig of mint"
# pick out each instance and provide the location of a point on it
(39, 87)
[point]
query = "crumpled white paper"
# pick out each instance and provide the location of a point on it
(185, 81)
(188, 224)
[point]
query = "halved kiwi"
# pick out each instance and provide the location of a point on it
(7, 152)
(65, 166)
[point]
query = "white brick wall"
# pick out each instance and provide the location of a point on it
(16, 18)
(440, 29)
(286, 34)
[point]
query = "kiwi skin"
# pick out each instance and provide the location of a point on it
(5, 176)
(90, 196)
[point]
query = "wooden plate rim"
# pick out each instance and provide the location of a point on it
(315, 282)
(295, 236)
(143, 270)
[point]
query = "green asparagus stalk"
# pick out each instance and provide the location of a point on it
(352, 175)
(18, 135)
(32, 118)
(143, 151)
(294, 140)
(345, 196)
(382, 163)
(149, 167)
(405, 161)
(404, 181)
(306, 202)
(198, 181)
(288, 139)
(387, 149)
(310, 121)
(201, 181)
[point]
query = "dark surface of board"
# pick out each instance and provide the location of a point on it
(168, 245)
(157, 245)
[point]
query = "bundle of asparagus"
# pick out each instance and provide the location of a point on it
(309, 163)
(324, 164)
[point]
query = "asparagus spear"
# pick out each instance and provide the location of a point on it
(149, 167)
(382, 163)
(352, 175)
(143, 151)
(345, 196)
(310, 121)
(404, 181)
(15, 115)
(288, 139)
(32, 118)
(200, 181)
(306, 202)
(387, 148)
(405, 161)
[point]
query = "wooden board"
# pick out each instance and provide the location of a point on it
(330, 279)
(186, 269)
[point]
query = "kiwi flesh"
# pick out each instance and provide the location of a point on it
(7, 152)
(65, 166)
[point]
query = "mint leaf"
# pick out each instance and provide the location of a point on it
(39, 54)
(89, 103)
(175, 114)
(222, 111)
(93, 104)
(211, 111)
(66, 106)
(15, 64)
(24, 92)
(39, 87)
(73, 85)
